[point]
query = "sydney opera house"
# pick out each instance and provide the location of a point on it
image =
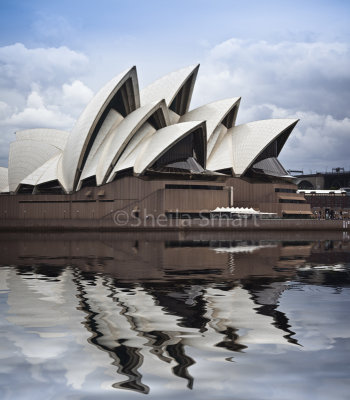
(146, 152)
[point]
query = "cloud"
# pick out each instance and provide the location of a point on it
(304, 76)
(318, 141)
(39, 87)
(76, 94)
(4, 109)
(21, 66)
(306, 80)
(38, 115)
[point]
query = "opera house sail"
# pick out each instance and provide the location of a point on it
(147, 152)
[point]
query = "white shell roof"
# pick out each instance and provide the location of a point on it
(222, 156)
(249, 140)
(123, 133)
(215, 139)
(42, 155)
(212, 113)
(55, 137)
(168, 86)
(4, 180)
(112, 120)
(89, 170)
(134, 148)
(25, 157)
(162, 140)
(83, 129)
(174, 118)
(45, 173)
(242, 144)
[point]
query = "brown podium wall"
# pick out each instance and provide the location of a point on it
(127, 193)
(150, 196)
(262, 196)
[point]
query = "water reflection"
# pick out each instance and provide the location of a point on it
(160, 317)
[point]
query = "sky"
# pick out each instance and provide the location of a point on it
(286, 59)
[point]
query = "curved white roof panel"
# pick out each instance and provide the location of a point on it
(161, 141)
(215, 139)
(222, 156)
(112, 120)
(242, 144)
(45, 173)
(89, 170)
(4, 180)
(174, 118)
(219, 116)
(50, 173)
(25, 157)
(123, 133)
(55, 137)
(81, 135)
(250, 140)
(213, 113)
(169, 86)
(134, 148)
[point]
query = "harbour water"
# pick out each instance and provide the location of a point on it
(214, 317)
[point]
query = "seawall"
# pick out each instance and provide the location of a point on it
(88, 225)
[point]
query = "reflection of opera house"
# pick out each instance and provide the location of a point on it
(132, 327)
(129, 313)
(128, 335)
(147, 153)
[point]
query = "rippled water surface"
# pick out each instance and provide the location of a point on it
(114, 317)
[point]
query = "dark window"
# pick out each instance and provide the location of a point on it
(25, 189)
(181, 101)
(189, 165)
(193, 187)
(296, 216)
(52, 187)
(185, 215)
(292, 201)
(283, 190)
(83, 201)
(44, 201)
(270, 166)
(180, 152)
(89, 182)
